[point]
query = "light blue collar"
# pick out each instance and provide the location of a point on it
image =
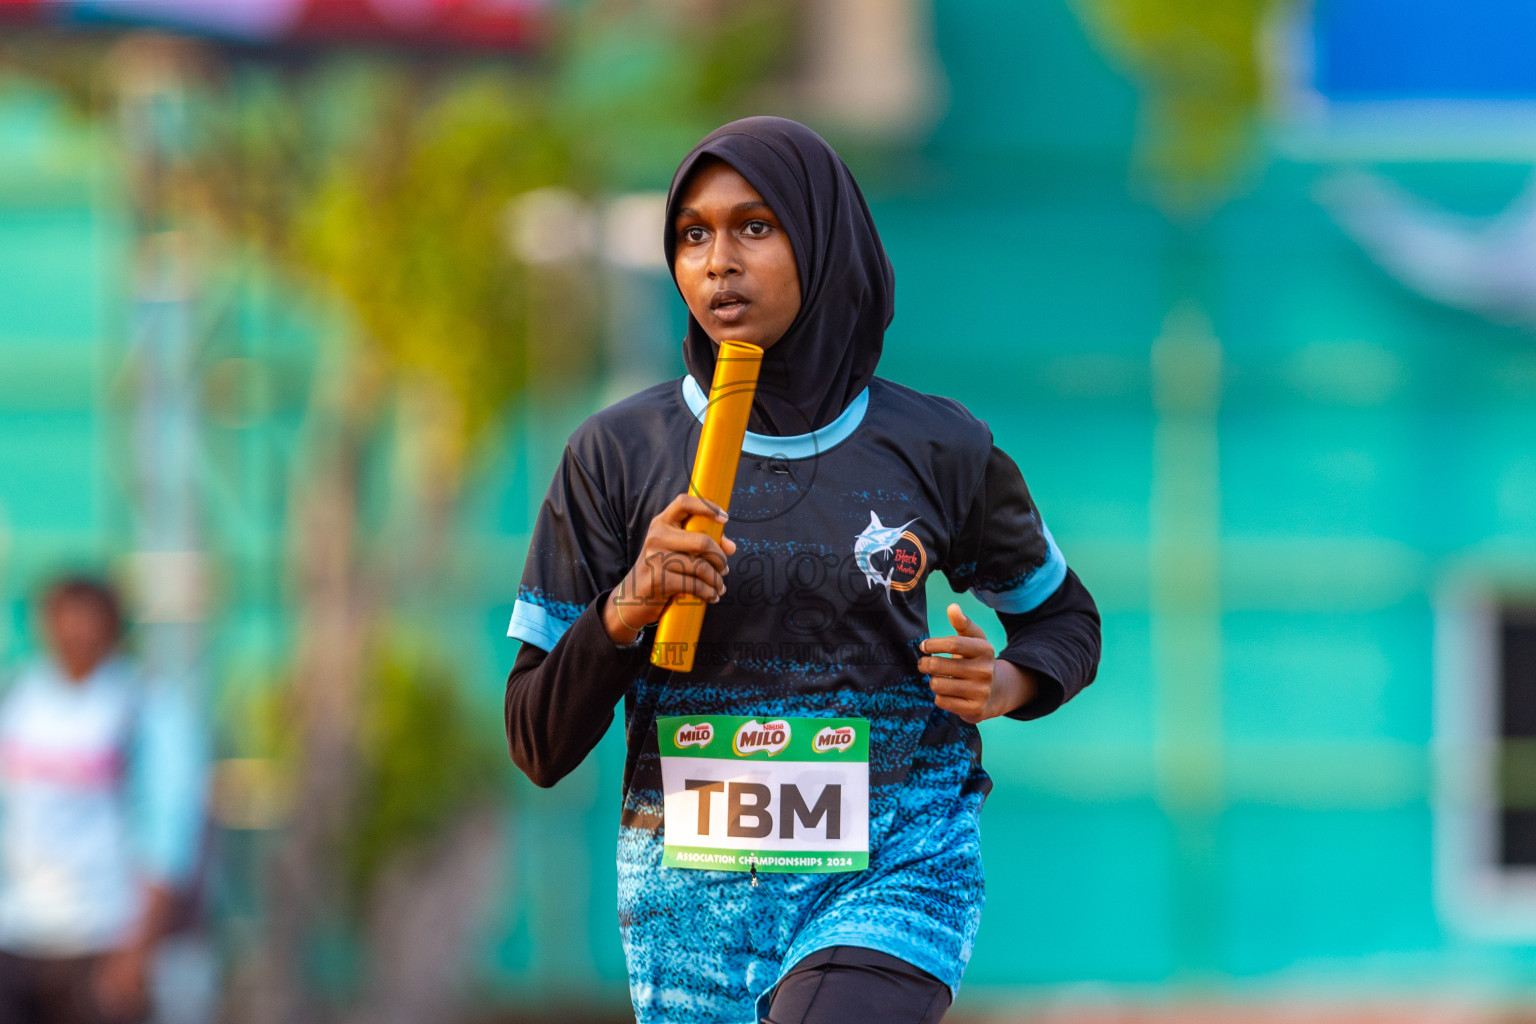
(797, 446)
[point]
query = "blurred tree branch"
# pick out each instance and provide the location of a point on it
(1201, 68)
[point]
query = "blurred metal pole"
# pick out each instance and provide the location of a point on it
(167, 570)
(168, 567)
(638, 347)
(1187, 629)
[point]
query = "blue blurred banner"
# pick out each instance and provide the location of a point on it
(1425, 50)
(473, 24)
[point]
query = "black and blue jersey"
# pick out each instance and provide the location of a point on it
(851, 492)
(837, 533)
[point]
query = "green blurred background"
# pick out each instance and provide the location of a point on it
(292, 332)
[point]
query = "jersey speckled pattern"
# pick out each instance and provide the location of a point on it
(837, 531)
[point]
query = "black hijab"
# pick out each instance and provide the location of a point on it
(847, 289)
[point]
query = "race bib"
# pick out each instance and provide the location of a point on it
(774, 794)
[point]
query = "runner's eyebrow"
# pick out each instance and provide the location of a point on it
(751, 204)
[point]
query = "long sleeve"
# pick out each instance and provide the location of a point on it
(560, 702)
(1007, 557)
(1058, 642)
(569, 674)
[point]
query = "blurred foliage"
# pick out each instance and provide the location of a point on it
(425, 755)
(418, 741)
(639, 84)
(1201, 67)
(398, 211)
(74, 67)
(380, 177)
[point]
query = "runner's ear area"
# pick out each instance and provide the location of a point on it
(847, 287)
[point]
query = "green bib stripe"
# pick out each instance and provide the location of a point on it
(764, 738)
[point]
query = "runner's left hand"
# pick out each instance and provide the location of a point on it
(971, 682)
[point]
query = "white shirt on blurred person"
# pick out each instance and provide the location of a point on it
(101, 798)
(99, 794)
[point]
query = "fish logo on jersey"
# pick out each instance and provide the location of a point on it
(894, 545)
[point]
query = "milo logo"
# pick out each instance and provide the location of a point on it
(756, 737)
(694, 735)
(829, 740)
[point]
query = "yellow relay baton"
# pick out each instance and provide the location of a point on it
(714, 476)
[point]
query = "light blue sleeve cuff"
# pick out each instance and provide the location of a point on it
(534, 625)
(1034, 589)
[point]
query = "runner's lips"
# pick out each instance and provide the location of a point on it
(728, 306)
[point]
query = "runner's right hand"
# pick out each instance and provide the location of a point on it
(672, 561)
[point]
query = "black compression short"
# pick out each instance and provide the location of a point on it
(853, 985)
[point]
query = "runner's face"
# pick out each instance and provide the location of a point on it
(733, 261)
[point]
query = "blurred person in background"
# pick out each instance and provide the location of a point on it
(101, 783)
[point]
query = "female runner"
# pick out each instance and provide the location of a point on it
(850, 492)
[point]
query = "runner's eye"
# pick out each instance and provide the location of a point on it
(693, 235)
(757, 228)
